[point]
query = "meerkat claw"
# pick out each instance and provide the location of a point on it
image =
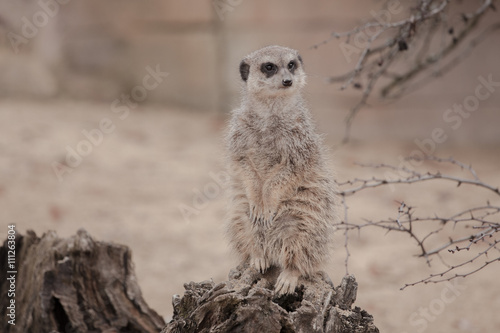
(252, 214)
(286, 283)
(268, 221)
(256, 216)
(260, 264)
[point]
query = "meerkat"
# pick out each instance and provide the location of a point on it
(282, 204)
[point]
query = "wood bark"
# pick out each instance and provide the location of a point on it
(78, 285)
(246, 303)
(75, 284)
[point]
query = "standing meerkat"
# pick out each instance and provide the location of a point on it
(283, 198)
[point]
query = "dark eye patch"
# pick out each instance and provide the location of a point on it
(291, 66)
(269, 69)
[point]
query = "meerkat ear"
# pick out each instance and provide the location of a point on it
(300, 59)
(244, 70)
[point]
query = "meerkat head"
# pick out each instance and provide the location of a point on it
(273, 71)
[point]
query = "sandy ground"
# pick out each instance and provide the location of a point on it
(132, 183)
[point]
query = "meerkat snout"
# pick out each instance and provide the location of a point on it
(288, 73)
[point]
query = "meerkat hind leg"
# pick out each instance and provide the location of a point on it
(287, 282)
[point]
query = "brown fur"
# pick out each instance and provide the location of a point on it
(283, 200)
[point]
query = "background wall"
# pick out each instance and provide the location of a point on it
(96, 50)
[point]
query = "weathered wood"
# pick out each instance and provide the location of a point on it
(82, 285)
(75, 284)
(246, 303)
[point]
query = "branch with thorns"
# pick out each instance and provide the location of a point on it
(378, 56)
(483, 220)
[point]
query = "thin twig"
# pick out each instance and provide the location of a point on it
(346, 243)
(483, 220)
(378, 54)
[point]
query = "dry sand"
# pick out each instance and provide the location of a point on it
(130, 186)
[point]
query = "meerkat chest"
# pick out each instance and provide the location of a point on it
(265, 142)
(273, 145)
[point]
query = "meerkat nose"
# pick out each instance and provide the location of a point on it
(287, 82)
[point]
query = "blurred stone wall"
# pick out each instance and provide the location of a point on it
(99, 50)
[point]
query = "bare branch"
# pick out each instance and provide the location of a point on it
(346, 234)
(377, 57)
(441, 276)
(482, 220)
(414, 177)
(471, 24)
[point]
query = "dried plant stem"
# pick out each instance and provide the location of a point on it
(482, 220)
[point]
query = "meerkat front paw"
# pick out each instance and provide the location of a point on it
(263, 215)
(260, 264)
(287, 282)
(253, 214)
(265, 212)
(268, 213)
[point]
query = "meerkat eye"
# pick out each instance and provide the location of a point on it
(269, 69)
(291, 65)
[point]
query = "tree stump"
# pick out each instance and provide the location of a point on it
(82, 285)
(247, 304)
(73, 285)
